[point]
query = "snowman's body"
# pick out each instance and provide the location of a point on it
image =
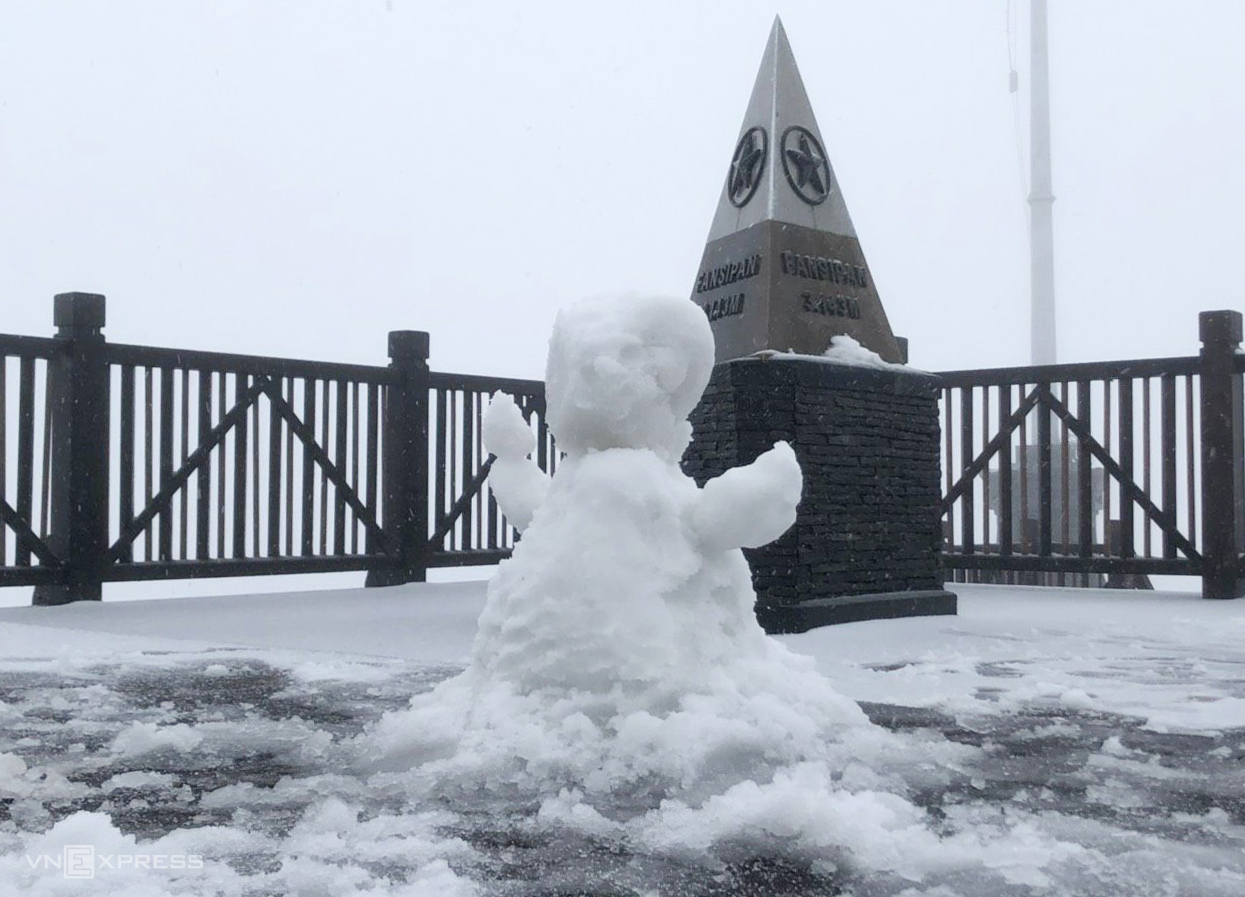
(611, 563)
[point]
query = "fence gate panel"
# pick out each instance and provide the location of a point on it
(1059, 474)
(231, 465)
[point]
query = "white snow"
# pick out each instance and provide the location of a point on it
(626, 374)
(147, 738)
(845, 350)
(508, 436)
(1147, 656)
(848, 350)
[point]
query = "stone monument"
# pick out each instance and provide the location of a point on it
(782, 274)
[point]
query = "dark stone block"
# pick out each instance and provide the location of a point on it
(868, 443)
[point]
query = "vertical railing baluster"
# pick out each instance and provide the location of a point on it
(1044, 478)
(948, 469)
(373, 442)
(1084, 472)
(1127, 547)
(439, 461)
(325, 410)
(479, 499)
(45, 474)
(354, 463)
(1146, 525)
(1191, 459)
(542, 433)
(166, 460)
(1026, 534)
(289, 472)
(453, 472)
(966, 459)
(1107, 420)
(468, 466)
(126, 463)
(309, 484)
(203, 500)
(242, 384)
(1065, 476)
(256, 492)
(25, 449)
(221, 466)
(341, 434)
(1167, 425)
(985, 474)
(1005, 474)
(492, 513)
(149, 451)
(274, 473)
(184, 538)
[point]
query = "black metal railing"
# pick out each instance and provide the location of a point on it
(130, 462)
(135, 462)
(1063, 472)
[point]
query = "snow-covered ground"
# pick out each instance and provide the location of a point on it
(1081, 742)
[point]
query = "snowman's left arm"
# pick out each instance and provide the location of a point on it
(749, 506)
(517, 483)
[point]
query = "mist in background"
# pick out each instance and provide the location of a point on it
(299, 177)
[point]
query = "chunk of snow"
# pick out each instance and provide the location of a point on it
(146, 738)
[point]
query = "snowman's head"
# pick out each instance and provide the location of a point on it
(626, 373)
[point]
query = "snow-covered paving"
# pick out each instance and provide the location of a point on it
(1090, 742)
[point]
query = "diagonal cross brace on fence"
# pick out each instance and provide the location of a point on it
(163, 499)
(320, 456)
(1135, 494)
(26, 537)
(1041, 396)
(460, 506)
(1006, 428)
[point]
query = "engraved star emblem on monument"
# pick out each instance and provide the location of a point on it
(783, 268)
(746, 166)
(802, 150)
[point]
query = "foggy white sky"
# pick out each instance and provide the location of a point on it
(299, 177)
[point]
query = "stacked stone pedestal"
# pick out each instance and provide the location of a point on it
(867, 537)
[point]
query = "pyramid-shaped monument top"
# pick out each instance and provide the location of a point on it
(783, 268)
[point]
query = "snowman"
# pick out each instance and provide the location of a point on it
(627, 573)
(619, 644)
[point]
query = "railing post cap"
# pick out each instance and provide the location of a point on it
(1219, 326)
(78, 311)
(407, 343)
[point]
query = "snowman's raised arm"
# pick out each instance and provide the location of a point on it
(516, 481)
(749, 506)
